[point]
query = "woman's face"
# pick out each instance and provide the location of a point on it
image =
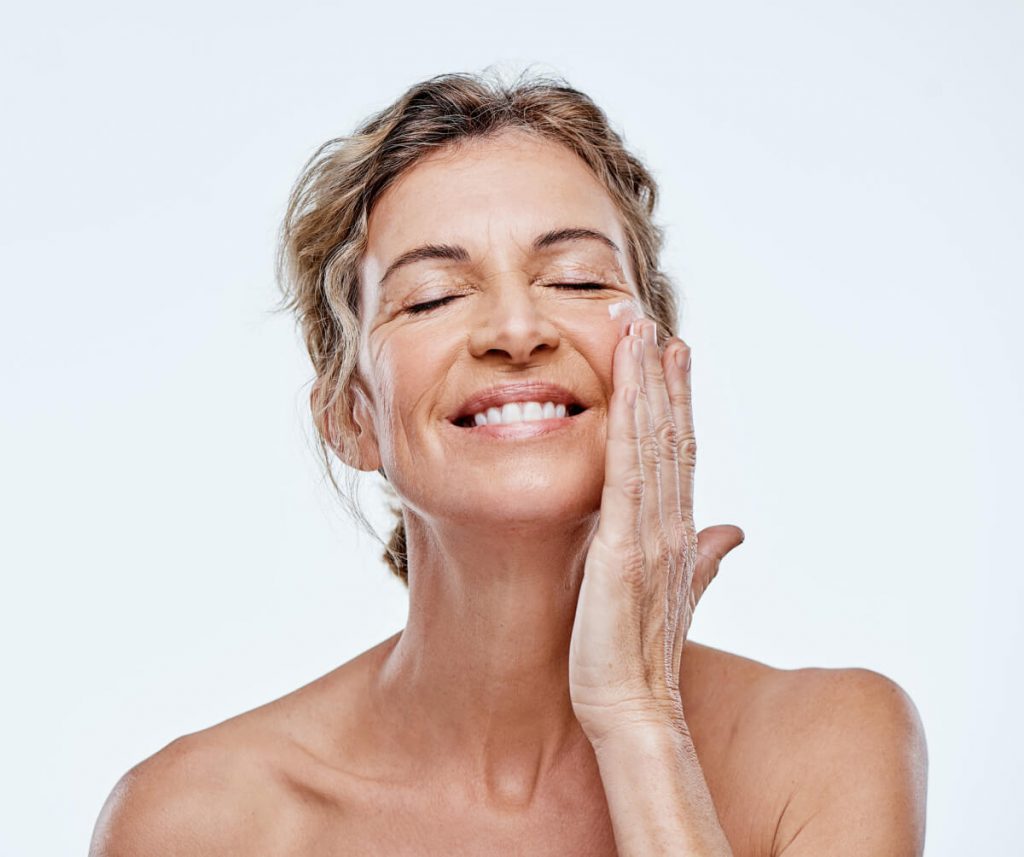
(492, 303)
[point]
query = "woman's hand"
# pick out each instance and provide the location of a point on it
(646, 568)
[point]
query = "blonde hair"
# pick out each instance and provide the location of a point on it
(323, 235)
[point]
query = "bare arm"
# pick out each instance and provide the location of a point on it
(657, 796)
(851, 774)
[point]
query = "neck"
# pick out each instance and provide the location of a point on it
(478, 679)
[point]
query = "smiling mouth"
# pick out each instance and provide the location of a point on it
(469, 421)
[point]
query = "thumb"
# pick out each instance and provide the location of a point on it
(713, 543)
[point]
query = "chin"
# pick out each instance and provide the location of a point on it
(529, 501)
(525, 486)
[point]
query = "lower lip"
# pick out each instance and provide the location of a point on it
(510, 431)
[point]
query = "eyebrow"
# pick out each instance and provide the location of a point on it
(457, 253)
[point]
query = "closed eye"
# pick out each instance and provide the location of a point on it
(427, 306)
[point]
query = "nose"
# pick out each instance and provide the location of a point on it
(512, 324)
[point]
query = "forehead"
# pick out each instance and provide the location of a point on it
(493, 195)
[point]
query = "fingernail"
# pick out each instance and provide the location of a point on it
(637, 348)
(649, 332)
(683, 359)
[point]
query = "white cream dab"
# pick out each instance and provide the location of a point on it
(629, 309)
(617, 309)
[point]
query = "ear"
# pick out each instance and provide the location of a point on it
(359, 450)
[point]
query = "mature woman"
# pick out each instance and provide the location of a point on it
(476, 275)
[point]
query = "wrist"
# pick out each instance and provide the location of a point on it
(640, 730)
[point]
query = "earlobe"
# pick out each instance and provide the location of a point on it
(359, 450)
(365, 445)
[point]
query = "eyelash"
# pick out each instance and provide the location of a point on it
(427, 306)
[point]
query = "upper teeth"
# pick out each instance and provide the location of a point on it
(519, 412)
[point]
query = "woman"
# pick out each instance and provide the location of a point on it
(476, 275)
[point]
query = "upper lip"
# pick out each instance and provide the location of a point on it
(520, 391)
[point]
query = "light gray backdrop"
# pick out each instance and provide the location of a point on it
(842, 187)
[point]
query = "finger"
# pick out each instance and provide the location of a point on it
(654, 544)
(663, 428)
(681, 399)
(663, 535)
(647, 429)
(623, 480)
(713, 543)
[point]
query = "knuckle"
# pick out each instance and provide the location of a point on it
(633, 486)
(650, 451)
(667, 433)
(687, 449)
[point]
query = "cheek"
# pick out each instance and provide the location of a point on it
(597, 331)
(406, 374)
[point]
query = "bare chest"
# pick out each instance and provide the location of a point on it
(421, 822)
(403, 824)
(343, 804)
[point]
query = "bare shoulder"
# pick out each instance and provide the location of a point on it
(251, 785)
(807, 761)
(851, 754)
(211, 792)
(840, 706)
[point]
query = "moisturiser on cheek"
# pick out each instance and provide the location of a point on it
(626, 312)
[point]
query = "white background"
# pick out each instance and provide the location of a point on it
(843, 191)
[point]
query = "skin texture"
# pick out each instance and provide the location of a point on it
(459, 735)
